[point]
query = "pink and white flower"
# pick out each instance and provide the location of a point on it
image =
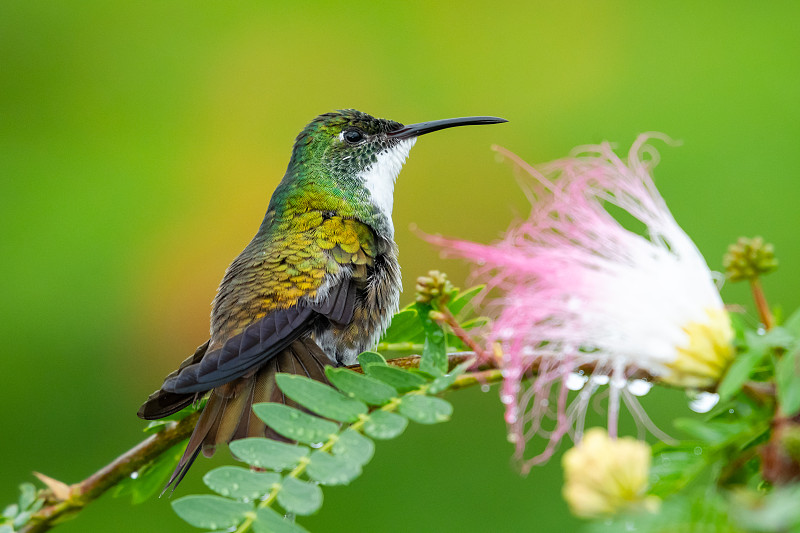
(577, 287)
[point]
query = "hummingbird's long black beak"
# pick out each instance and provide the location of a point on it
(421, 128)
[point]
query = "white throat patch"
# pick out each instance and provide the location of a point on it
(379, 177)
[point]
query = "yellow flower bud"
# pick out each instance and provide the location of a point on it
(604, 476)
(703, 360)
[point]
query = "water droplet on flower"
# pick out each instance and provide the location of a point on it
(575, 381)
(512, 437)
(698, 450)
(731, 411)
(316, 444)
(507, 398)
(134, 475)
(485, 387)
(545, 402)
(600, 380)
(704, 402)
(639, 387)
(761, 331)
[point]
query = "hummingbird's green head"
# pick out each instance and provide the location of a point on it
(353, 159)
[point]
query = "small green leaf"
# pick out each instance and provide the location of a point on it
(405, 327)
(332, 470)
(151, 478)
(458, 303)
(294, 424)
(354, 446)
(792, 324)
(715, 432)
(425, 409)
(320, 398)
(38, 504)
(738, 373)
(6, 529)
(268, 453)
(360, 386)
(674, 468)
(787, 378)
(434, 351)
(368, 358)
(780, 337)
(240, 483)
(22, 519)
(773, 511)
(155, 426)
(269, 521)
(476, 322)
(211, 512)
(400, 379)
(27, 495)
(11, 511)
(443, 382)
(383, 425)
(300, 497)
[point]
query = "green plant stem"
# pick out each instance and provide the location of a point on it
(58, 509)
(84, 492)
(462, 334)
(761, 303)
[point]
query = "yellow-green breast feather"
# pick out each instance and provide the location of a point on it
(293, 262)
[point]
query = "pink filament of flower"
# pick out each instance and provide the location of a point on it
(551, 268)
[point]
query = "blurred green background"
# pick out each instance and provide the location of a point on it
(140, 141)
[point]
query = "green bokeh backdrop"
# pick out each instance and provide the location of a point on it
(140, 141)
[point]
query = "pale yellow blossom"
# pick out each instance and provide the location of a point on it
(604, 476)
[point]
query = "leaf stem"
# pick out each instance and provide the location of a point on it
(761, 303)
(301, 467)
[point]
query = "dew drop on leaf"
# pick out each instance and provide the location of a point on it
(703, 402)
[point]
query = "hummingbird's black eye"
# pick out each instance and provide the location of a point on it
(353, 136)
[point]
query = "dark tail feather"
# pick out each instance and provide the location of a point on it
(162, 403)
(229, 415)
(204, 424)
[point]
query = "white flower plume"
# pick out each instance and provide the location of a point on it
(579, 288)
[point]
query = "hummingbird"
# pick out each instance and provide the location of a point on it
(316, 286)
